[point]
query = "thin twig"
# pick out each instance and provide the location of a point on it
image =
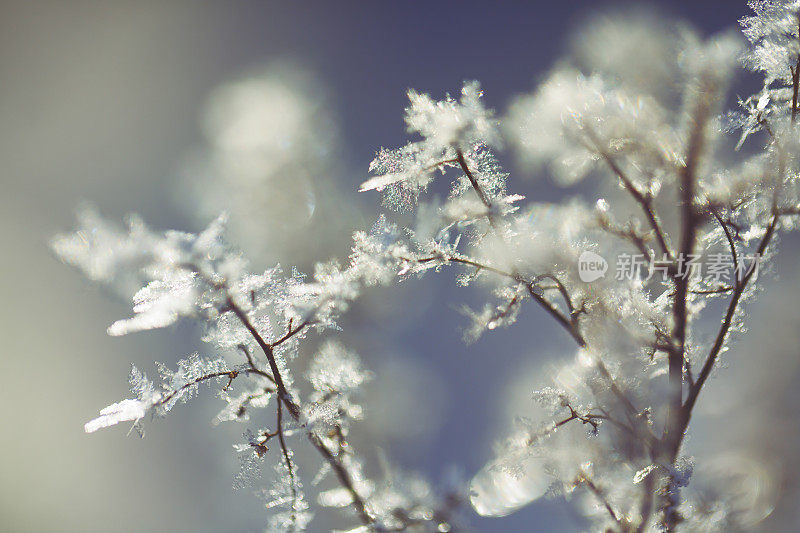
(722, 334)
(584, 479)
(690, 223)
(569, 323)
(795, 79)
(645, 201)
(289, 466)
(728, 236)
(294, 410)
(230, 374)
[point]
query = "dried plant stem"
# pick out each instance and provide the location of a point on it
(342, 474)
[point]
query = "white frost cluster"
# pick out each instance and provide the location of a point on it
(574, 118)
(773, 31)
(447, 127)
(123, 411)
(336, 374)
(286, 501)
(176, 386)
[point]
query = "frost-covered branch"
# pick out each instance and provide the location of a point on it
(679, 222)
(200, 277)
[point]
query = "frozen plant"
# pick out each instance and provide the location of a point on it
(264, 317)
(643, 127)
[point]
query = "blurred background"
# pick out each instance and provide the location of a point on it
(272, 111)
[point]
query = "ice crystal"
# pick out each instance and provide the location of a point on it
(238, 406)
(178, 385)
(250, 454)
(289, 509)
(336, 374)
(773, 30)
(123, 411)
(447, 127)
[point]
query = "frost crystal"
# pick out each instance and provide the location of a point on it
(124, 411)
(289, 510)
(159, 304)
(447, 127)
(773, 30)
(179, 385)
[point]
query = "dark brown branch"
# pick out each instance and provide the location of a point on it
(594, 489)
(574, 415)
(230, 374)
(283, 393)
(729, 237)
(674, 435)
(473, 181)
(479, 266)
(294, 410)
(573, 312)
(645, 201)
(289, 466)
(569, 323)
(627, 234)
(566, 322)
(291, 332)
(788, 211)
(722, 334)
(588, 418)
(592, 419)
(795, 79)
(690, 223)
(506, 310)
(250, 361)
